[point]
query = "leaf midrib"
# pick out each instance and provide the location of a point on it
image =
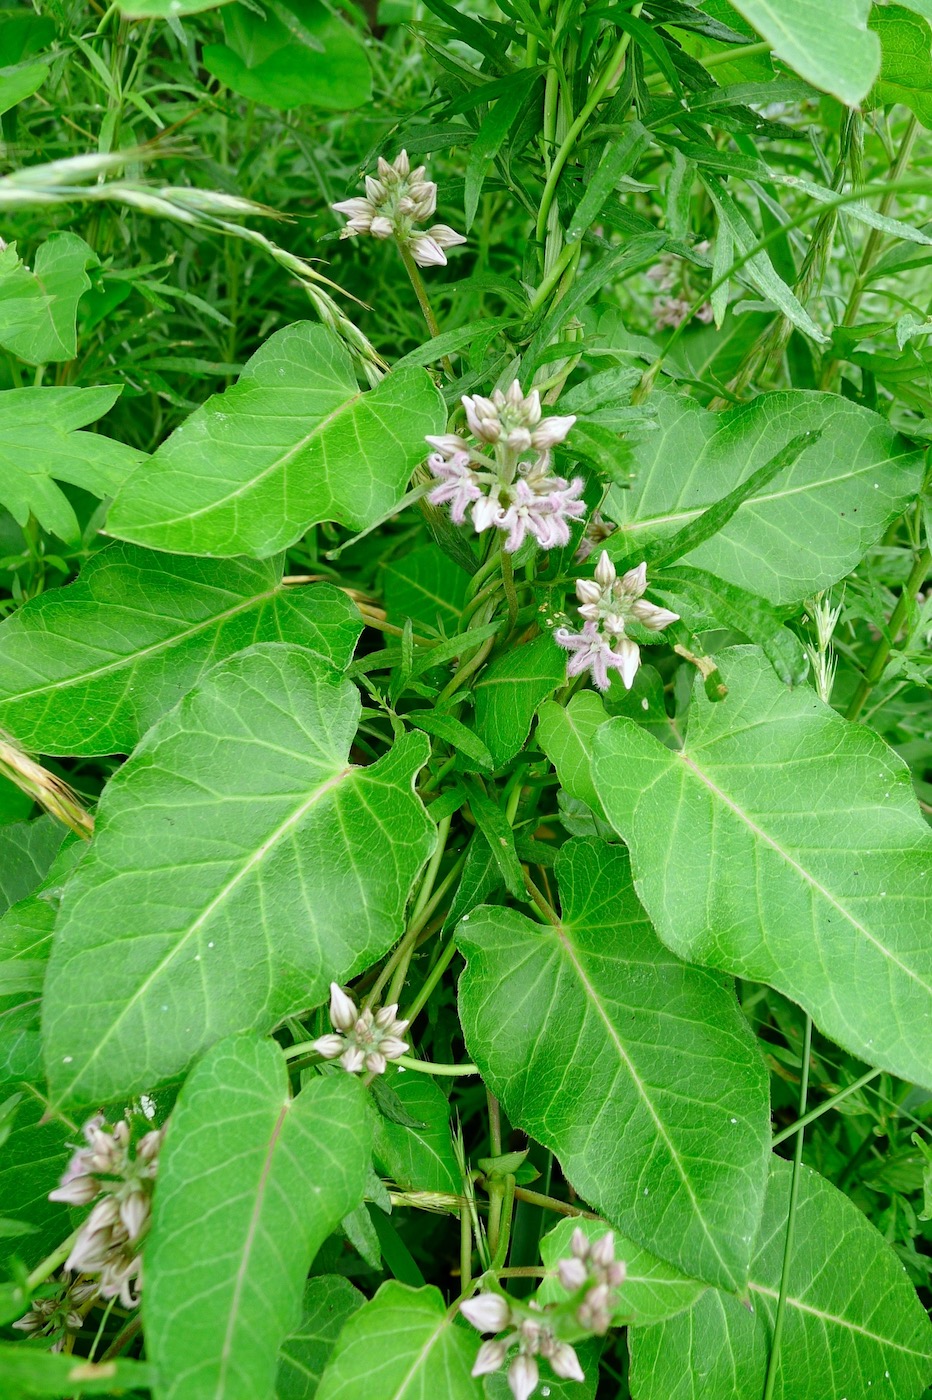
(596, 1002)
(838, 1321)
(801, 870)
(177, 948)
(165, 644)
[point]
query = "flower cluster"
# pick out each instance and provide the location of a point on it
(592, 1266)
(608, 604)
(491, 1312)
(121, 1181)
(393, 204)
(504, 476)
(671, 311)
(361, 1041)
(58, 1315)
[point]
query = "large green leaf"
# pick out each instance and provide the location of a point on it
(27, 849)
(637, 1070)
(804, 531)
(403, 1345)
(87, 669)
(231, 877)
(784, 844)
(328, 1301)
(511, 689)
(38, 307)
(828, 45)
(297, 52)
(39, 445)
(426, 586)
(652, 1290)
(294, 441)
(906, 60)
(854, 1326)
(32, 1161)
(251, 1183)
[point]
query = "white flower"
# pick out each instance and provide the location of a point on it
(488, 1312)
(394, 203)
(361, 1040)
(607, 603)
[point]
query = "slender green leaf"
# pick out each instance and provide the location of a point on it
(403, 1345)
(89, 668)
(620, 157)
(854, 1326)
(251, 1183)
(293, 442)
(784, 844)
(493, 129)
(28, 1372)
(806, 530)
(231, 877)
(453, 732)
(495, 827)
(637, 1070)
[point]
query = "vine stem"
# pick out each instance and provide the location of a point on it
(773, 1361)
(882, 651)
(428, 1067)
(51, 1262)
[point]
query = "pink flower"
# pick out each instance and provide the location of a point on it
(593, 652)
(458, 487)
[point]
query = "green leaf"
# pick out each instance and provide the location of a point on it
(403, 1345)
(637, 1070)
(830, 46)
(427, 587)
(565, 734)
(32, 1160)
(758, 269)
(328, 1302)
(39, 445)
(853, 1324)
(652, 1290)
(495, 126)
(804, 531)
(166, 9)
(27, 849)
(89, 668)
(29, 1373)
(619, 158)
(294, 53)
(694, 593)
(905, 62)
(15, 805)
(453, 732)
(497, 830)
(231, 877)
(20, 83)
(785, 845)
(38, 308)
(510, 690)
(293, 442)
(251, 1183)
(421, 1158)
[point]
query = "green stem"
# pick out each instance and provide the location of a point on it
(500, 1253)
(420, 291)
(535, 1198)
(598, 91)
(465, 1249)
(773, 1361)
(433, 977)
(831, 1103)
(882, 651)
(733, 55)
(508, 583)
(428, 1067)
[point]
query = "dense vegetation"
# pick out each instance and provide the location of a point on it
(465, 741)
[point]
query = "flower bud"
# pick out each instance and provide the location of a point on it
(489, 1358)
(343, 1011)
(573, 1274)
(353, 1059)
(602, 1251)
(588, 591)
(552, 431)
(381, 227)
(425, 251)
(523, 1376)
(328, 1046)
(605, 570)
(565, 1362)
(488, 1312)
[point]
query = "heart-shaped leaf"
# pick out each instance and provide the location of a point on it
(231, 877)
(293, 442)
(38, 306)
(853, 1324)
(87, 669)
(784, 844)
(251, 1182)
(637, 1070)
(830, 46)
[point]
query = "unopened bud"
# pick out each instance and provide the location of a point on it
(489, 1358)
(488, 1312)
